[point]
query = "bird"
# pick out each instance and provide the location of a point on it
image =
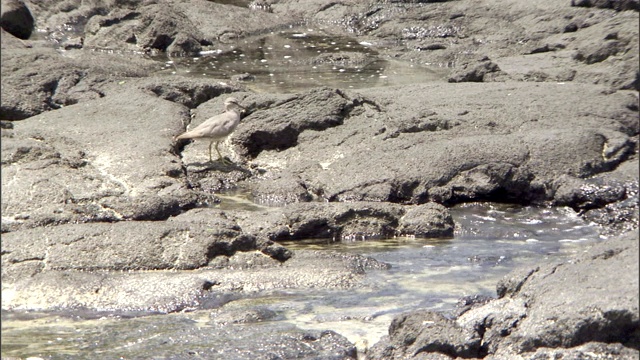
(217, 128)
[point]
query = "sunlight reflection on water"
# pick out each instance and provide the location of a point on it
(299, 59)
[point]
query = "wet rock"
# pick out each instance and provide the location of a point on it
(337, 221)
(590, 305)
(176, 28)
(243, 316)
(589, 302)
(238, 342)
(16, 19)
(343, 59)
(588, 350)
(345, 221)
(279, 192)
(274, 250)
(428, 220)
(469, 302)
(162, 292)
(496, 180)
(622, 215)
(616, 217)
(422, 332)
(30, 283)
(588, 194)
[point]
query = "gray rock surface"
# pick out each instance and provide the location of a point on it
(102, 209)
(53, 81)
(346, 147)
(71, 165)
(242, 274)
(16, 18)
(588, 304)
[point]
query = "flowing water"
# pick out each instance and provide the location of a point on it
(490, 239)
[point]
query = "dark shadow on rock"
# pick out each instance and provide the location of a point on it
(16, 19)
(225, 166)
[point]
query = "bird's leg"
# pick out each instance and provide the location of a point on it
(211, 143)
(223, 160)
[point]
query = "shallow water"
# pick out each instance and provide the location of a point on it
(490, 240)
(298, 59)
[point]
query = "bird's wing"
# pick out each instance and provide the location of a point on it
(217, 126)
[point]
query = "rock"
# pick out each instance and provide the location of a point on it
(162, 292)
(616, 217)
(376, 146)
(278, 127)
(599, 53)
(344, 59)
(608, 199)
(243, 77)
(274, 250)
(52, 81)
(474, 72)
(342, 164)
(279, 191)
(9, 41)
(344, 221)
(620, 5)
(16, 19)
(85, 179)
(176, 28)
(429, 220)
(243, 316)
(414, 334)
(31, 284)
(74, 43)
(340, 221)
(590, 280)
(190, 92)
(588, 194)
(563, 308)
(122, 246)
(588, 350)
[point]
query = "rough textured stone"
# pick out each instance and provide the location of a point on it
(16, 19)
(557, 124)
(555, 308)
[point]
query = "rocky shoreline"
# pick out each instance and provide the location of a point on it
(102, 209)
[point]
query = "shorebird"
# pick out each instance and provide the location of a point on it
(218, 127)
